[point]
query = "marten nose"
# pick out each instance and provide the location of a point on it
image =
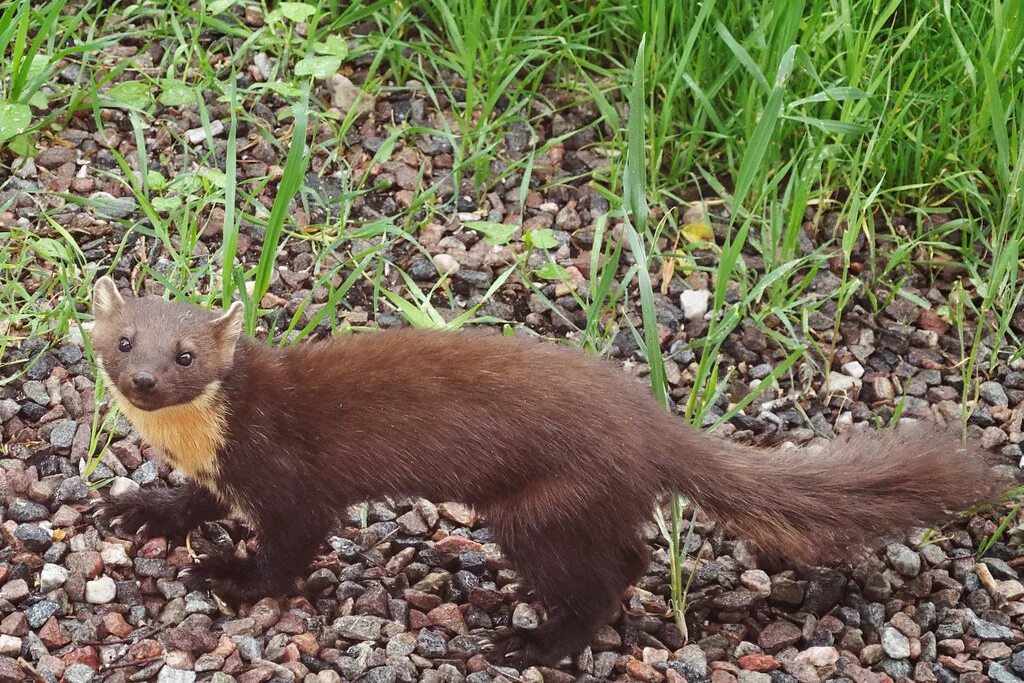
(144, 381)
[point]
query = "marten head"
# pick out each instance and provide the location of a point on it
(158, 354)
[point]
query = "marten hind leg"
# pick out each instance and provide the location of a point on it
(577, 571)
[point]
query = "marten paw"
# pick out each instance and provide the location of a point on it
(228, 577)
(514, 649)
(129, 515)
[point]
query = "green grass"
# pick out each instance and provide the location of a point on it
(865, 139)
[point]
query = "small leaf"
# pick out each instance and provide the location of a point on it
(286, 90)
(216, 177)
(320, 68)
(543, 239)
(155, 180)
(175, 93)
(333, 45)
(131, 95)
(39, 100)
(296, 11)
(220, 6)
(14, 118)
(698, 232)
(553, 271)
(494, 233)
(166, 204)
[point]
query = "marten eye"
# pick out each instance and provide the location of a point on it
(185, 359)
(124, 346)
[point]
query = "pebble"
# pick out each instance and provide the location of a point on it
(986, 630)
(63, 433)
(21, 510)
(360, 627)
(79, 673)
(694, 303)
(903, 559)
(895, 644)
(525, 617)
(779, 635)
(10, 645)
(993, 393)
(100, 591)
(35, 390)
(854, 369)
(146, 473)
(40, 612)
(14, 591)
(169, 675)
(52, 577)
(840, 383)
(123, 485)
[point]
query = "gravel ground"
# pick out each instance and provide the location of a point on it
(403, 598)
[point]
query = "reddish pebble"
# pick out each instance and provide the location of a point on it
(155, 547)
(762, 663)
(643, 672)
(116, 625)
(53, 634)
(82, 655)
(457, 545)
(450, 617)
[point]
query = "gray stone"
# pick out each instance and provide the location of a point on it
(431, 645)
(999, 673)
(123, 485)
(79, 673)
(33, 536)
(21, 510)
(146, 473)
(63, 433)
(248, 647)
(8, 409)
(359, 627)
(71, 490)
(903, 559)
(895, 644)
(35, 390)
(169, 675)
(994, 393)
(199, 602)
(986, 630)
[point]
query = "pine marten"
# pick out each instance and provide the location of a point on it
(564, 454)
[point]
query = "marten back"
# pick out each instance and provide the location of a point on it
(467, 416)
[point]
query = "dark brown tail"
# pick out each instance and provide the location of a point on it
(810, 507)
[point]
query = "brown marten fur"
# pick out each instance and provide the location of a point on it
(565, 456)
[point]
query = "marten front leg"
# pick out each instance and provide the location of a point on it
(160, 512)
(287, 542)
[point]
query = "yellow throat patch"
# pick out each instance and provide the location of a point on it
(188, 435)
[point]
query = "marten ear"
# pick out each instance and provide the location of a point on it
(228, 327)
(106, 300)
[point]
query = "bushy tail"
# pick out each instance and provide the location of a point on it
(809, 507)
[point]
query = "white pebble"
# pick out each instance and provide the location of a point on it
(838, 383)
(100, 591)
(10, 646)
(854, 369)
(694, 303)
(123, 485)
(52, 577)
(445, 264)
(197, 135)
(114, 555)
